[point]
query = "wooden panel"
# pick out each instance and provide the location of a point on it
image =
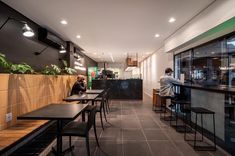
(23, 93)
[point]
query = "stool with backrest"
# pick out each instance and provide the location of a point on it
(81, 129)
(202, 111)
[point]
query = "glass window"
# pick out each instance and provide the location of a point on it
(183, 66)
(210, 64)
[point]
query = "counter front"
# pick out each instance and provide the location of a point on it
(121, 89)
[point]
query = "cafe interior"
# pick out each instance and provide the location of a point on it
(117, 78)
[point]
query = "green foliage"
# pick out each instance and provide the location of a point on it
(52, 70)
(9, 67)
(22, 68)
(3, 62)
(68, 70)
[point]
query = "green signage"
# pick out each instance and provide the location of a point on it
(92, 73)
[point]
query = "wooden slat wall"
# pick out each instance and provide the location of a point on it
(23, 93)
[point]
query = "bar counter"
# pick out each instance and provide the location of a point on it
(219, 88)
(121, 88)
(221, 100)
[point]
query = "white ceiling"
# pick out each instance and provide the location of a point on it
(111, 27)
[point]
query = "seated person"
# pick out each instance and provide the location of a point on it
(167, 83)
(79, 86)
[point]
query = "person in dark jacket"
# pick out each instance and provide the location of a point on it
(79, 86)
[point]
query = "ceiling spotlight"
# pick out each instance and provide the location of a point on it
(172, 20)
(157, 35)
(64, 22)
(27, 31)
(78, 36)
(62, 49)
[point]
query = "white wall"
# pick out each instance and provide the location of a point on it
(219, 12)
(153, 68)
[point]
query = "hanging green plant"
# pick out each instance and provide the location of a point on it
(68, 70)
(52, 70)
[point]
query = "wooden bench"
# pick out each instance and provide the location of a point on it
(12, 137)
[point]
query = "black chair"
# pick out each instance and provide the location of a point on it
(81, 129)
(202, 111)
(107, 100)
(100, 108)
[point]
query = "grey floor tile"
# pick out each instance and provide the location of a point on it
(133, 134)
(149, 124)
(136, 148)
(130, 123)
(110, 148)
(155, 135)
(163, 148)
(114, 134)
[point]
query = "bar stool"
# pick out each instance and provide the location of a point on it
(202, 111)
(183, 107)
(164, 109)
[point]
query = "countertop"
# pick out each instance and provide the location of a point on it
(219, 88)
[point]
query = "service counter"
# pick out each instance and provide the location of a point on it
(121, 88)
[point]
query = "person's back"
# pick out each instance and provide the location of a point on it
(167, 83)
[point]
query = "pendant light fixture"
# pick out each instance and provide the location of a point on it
(62, 49)
(26, 30)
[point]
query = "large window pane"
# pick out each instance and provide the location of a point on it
(210, 64)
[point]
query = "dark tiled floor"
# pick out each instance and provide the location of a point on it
(135, 130)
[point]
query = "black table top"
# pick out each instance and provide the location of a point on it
(219, 88)
(81, 97)
(55, 112)
(94, 91)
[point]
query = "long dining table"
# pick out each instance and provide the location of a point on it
(57, 112)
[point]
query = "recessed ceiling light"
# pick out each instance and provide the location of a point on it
(78, 36)
(94, 53)
(64, 22)
(172, 20)
(157, 35)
